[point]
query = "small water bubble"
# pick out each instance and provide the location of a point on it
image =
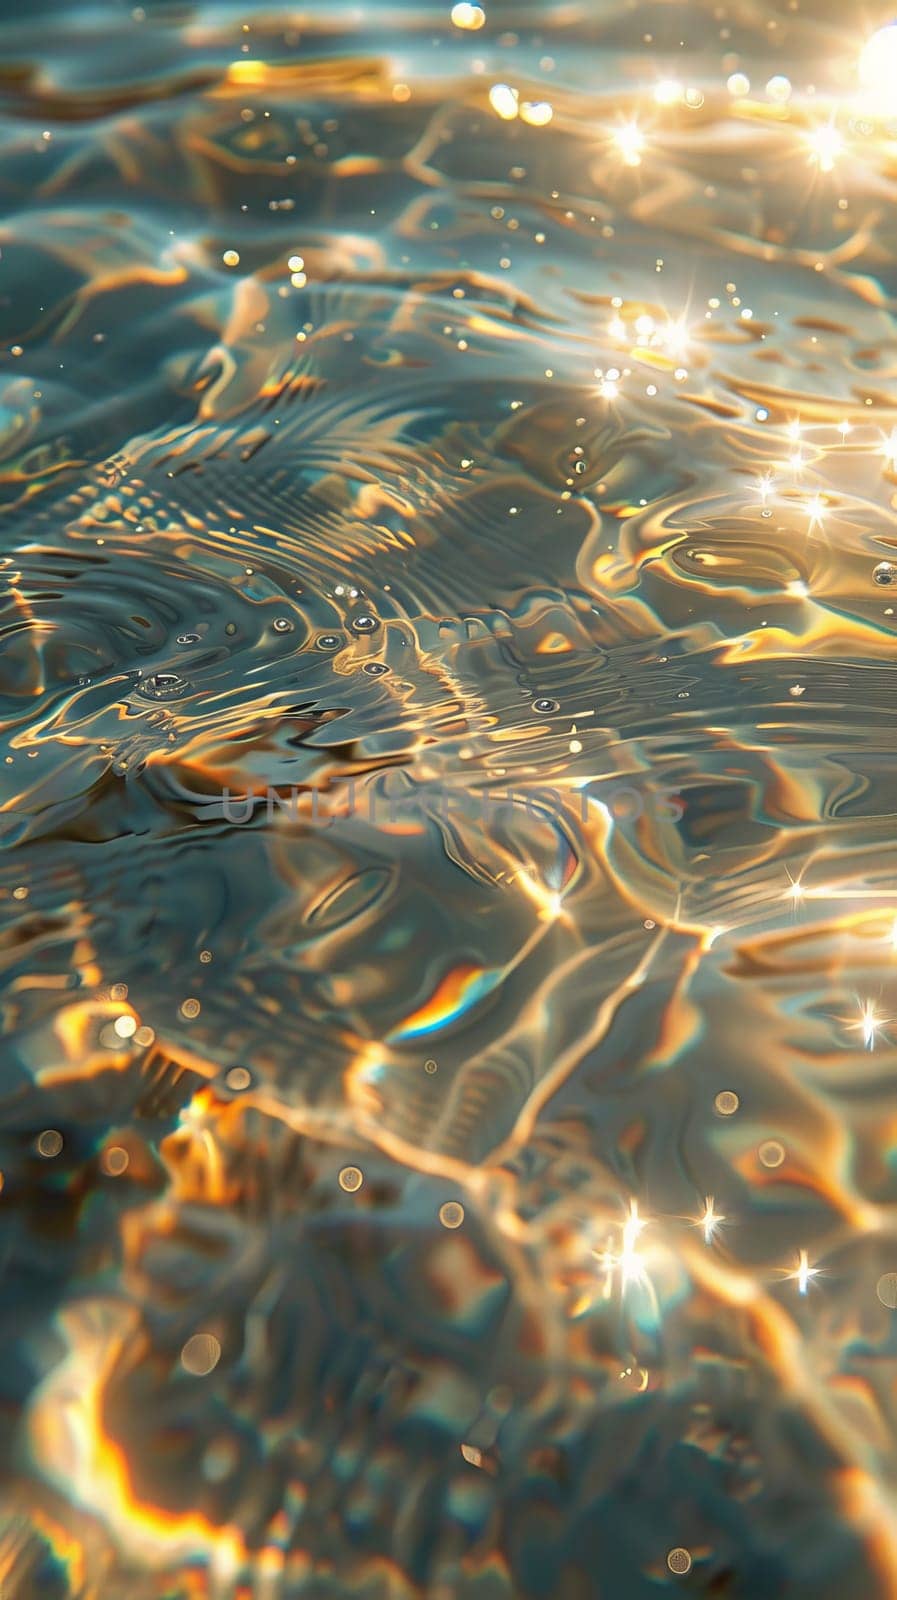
(375, 669)
(779, 89)
(884, 573)
(230, 628)
(679, 1561)
(365, 622)
(771, 1153)
(190, 1009)
(726, 1102)
(351, 1179)
(201, 1354)
(163, 686)
(431, 1066)
(451, 1214)
(188, 638)
(115, 1161)
(49, 1143)
(545, 706)
(238, 1078)
(886, 1289)
(329, 641)
(282, 625)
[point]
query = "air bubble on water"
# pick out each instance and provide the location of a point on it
(545, 705)
(282, 625)
(726, 1103)
(771, 1153)
(886, 1289)
(679, 1561)
(201, 1354)
(884, 573)
(163, 686)
(365, 623)
(375, 669)
(329, 641)
(451, 1214)
(351, 1179)
(238, 1078)
(188, 638)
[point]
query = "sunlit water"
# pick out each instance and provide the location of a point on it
(449, 914)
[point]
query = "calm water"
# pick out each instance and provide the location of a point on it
(449, 911)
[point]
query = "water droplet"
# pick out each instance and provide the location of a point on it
(546, 706)
(282, 625)
(431, 1067)
(351, 1179)
(238, 1078)
(886, 1289)
(49, 1143)
(771, 1153)
(365, 623)
(163, 686)
(726, 1102)
(779, 89)
(115, 1161)
(201, 1354)
(375, 669)
(679, 1561)
(190, 1009)
(329, 641)
(884, 573)
(451, 1214)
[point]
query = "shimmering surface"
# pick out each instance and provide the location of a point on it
(449, 916)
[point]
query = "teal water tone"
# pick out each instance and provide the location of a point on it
(448, 893)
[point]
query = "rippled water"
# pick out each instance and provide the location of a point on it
(449, 913)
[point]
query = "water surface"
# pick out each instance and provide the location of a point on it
(448, 897)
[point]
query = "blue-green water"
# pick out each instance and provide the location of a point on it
(448, 912)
